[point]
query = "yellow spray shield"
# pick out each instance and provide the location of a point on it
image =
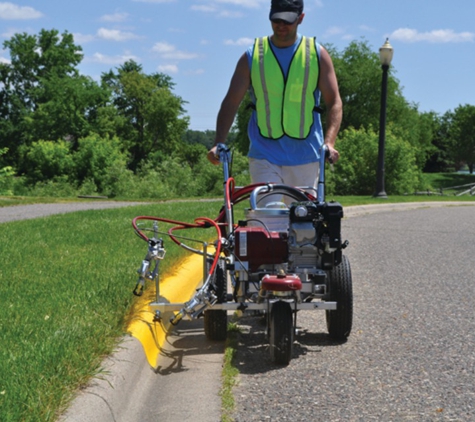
(177, 288)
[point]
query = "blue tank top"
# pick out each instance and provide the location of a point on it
(285, 151)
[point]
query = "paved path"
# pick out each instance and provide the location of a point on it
(28, 212)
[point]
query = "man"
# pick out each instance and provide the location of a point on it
(285, 74)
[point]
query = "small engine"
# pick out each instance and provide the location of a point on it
(307, 243)
(314, 235)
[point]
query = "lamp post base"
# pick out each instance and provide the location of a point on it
(381, 195)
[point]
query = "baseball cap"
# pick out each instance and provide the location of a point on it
(287, 10)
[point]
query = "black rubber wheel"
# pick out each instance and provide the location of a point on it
(216, 324)
(216, 320)
(340, 321)
(281, 333)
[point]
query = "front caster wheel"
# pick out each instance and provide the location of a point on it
(281, 335)
(216, 320)
(216, 324)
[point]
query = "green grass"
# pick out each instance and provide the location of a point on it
(446, 180)
(347, 201)
(229, 373)
(66, 292)
(7, 201)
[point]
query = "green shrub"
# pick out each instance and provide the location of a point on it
(99, 161)
(45, 160)
(59, 187)
(355, 172)
(146, 185)
(7, 174)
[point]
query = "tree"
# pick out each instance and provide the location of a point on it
(35, 60)
(68, 110)
(205, 138)
(153, 123)
(440, 155)
(462, 135)
(358, 70)
(241, 141)
(39, 57)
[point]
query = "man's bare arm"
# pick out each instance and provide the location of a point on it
(328, 86)
(237, 90)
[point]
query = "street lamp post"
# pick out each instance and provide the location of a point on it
(385, 55)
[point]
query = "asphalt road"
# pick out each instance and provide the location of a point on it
(410, 356)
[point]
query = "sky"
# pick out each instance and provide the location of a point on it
(198, 42)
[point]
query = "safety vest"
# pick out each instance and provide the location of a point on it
(285, 106)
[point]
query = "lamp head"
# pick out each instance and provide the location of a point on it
(386, 53)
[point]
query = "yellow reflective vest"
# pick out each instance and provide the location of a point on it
(285, 106)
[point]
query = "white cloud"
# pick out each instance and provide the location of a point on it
(115, 35)
(163, 48)
(168, 68)
(10, 11)
(169, 52)
(241, 42)
(437, 36)
(230, 14)
(82, 38)
(115, 17)
(102, 58)
(4, 60)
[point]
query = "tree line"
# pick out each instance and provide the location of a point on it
(127, 135)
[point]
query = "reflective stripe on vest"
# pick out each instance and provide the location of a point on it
(285, 106)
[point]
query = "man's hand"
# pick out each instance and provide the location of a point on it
(333, 154)
(213, 156)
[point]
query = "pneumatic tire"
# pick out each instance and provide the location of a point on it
(340, 321)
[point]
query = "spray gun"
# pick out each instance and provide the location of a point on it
(155, 254)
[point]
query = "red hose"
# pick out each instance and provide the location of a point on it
(200, 222)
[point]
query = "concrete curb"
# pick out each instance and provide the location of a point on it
(108, 394)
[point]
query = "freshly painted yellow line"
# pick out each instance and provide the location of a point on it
(178, 288)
